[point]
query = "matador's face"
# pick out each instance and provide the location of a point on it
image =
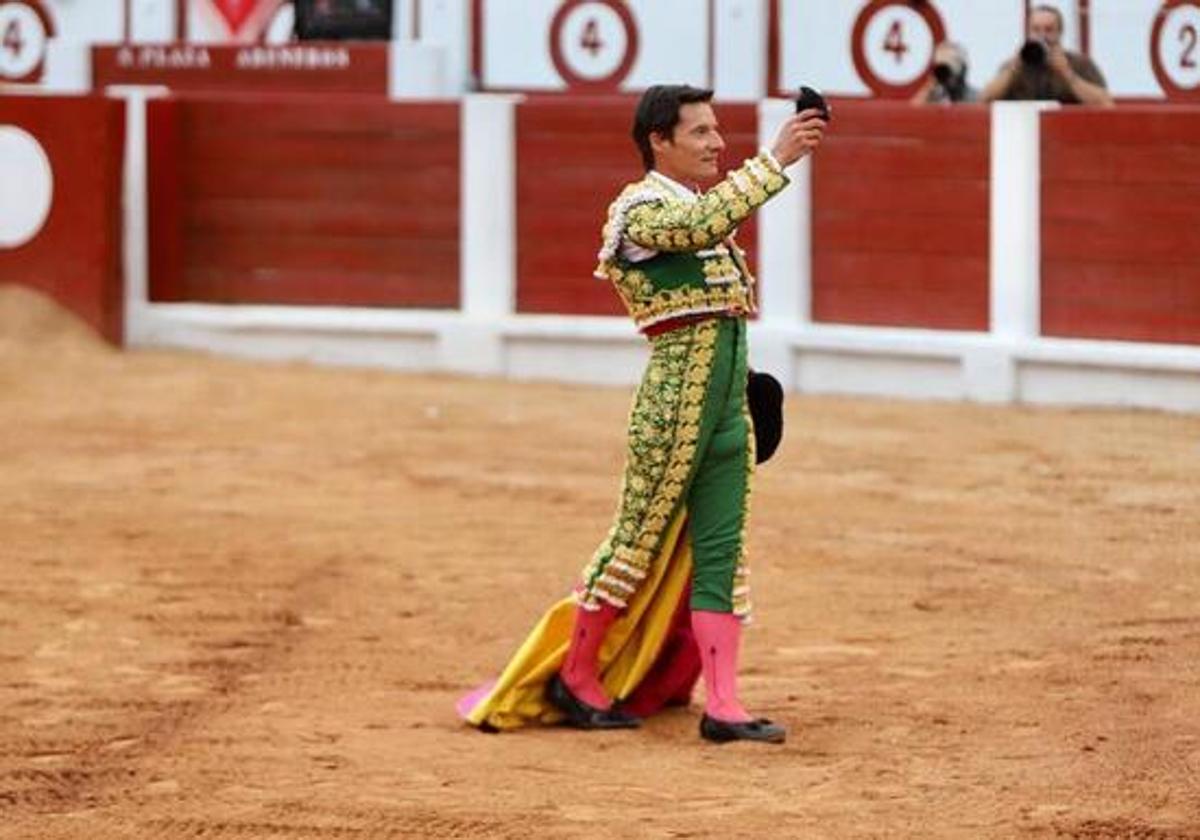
(693, 152)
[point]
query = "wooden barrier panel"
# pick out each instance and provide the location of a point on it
(573, 157)
(1120, 225)
(73, 252)
(900, 217)
(304, 201)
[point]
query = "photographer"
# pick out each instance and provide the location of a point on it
(1043, 69)
(947, 81)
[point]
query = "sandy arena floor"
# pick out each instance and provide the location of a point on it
(238, 600)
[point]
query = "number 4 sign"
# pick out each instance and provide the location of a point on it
(25, 29)
(1175, 49)
(593, 43)
(892, 43)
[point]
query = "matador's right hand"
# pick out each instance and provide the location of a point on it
(799, 136)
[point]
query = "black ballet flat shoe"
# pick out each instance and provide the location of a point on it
(722, 731)
(582, 715)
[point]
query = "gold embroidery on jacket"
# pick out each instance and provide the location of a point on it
(649, 215)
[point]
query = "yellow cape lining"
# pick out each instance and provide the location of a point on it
(629, 650)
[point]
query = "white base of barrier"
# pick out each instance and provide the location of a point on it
(826, 359)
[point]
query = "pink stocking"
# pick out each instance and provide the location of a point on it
(719, 636)
(580, 671)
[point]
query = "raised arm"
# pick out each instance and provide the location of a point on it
(672, 226)
(676, 226)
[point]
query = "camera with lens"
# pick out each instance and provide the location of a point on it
(949, 69)
(1033, 53)
(811, 99)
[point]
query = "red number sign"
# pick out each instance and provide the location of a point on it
(1173, 49)
(1187, 35)
(25, 29)
(593, 43)
(892, 44)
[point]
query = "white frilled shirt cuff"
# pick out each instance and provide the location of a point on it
(771, 159)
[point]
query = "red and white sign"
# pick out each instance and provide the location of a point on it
(892, 43)
(1175, 49)
(592, 45)
(25, 29)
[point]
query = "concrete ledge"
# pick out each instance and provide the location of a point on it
(1125, 354)
(1064, 383)
(404, 340)
(869, 361)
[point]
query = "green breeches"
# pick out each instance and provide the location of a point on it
(690, 446)
(716, 500)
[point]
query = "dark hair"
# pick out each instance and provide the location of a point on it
(658, 113)
(1054, 10)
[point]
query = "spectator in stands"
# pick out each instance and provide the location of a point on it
(1044, 69)
(947, 81)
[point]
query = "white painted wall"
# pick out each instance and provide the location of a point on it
(152, 21)
(1120, 45)
(93, 21)
(814, 49)
(740, 70)
(446, 25)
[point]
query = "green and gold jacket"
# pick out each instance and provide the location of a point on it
(692, 265)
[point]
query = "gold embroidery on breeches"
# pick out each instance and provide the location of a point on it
(664, 431)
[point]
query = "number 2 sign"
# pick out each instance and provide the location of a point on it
(593, 43)
(892, 43)
(25, 29)
(1175, 49)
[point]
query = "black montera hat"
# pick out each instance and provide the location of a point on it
(764, 395)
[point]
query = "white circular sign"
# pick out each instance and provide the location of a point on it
(898, 45)
(22, 40)
(593, 41)
(26, 186)
(1179, 46)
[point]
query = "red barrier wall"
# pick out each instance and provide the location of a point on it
(1121, 224)
(304, 201)
(76, 256)
(573, 157)
(900, 217)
